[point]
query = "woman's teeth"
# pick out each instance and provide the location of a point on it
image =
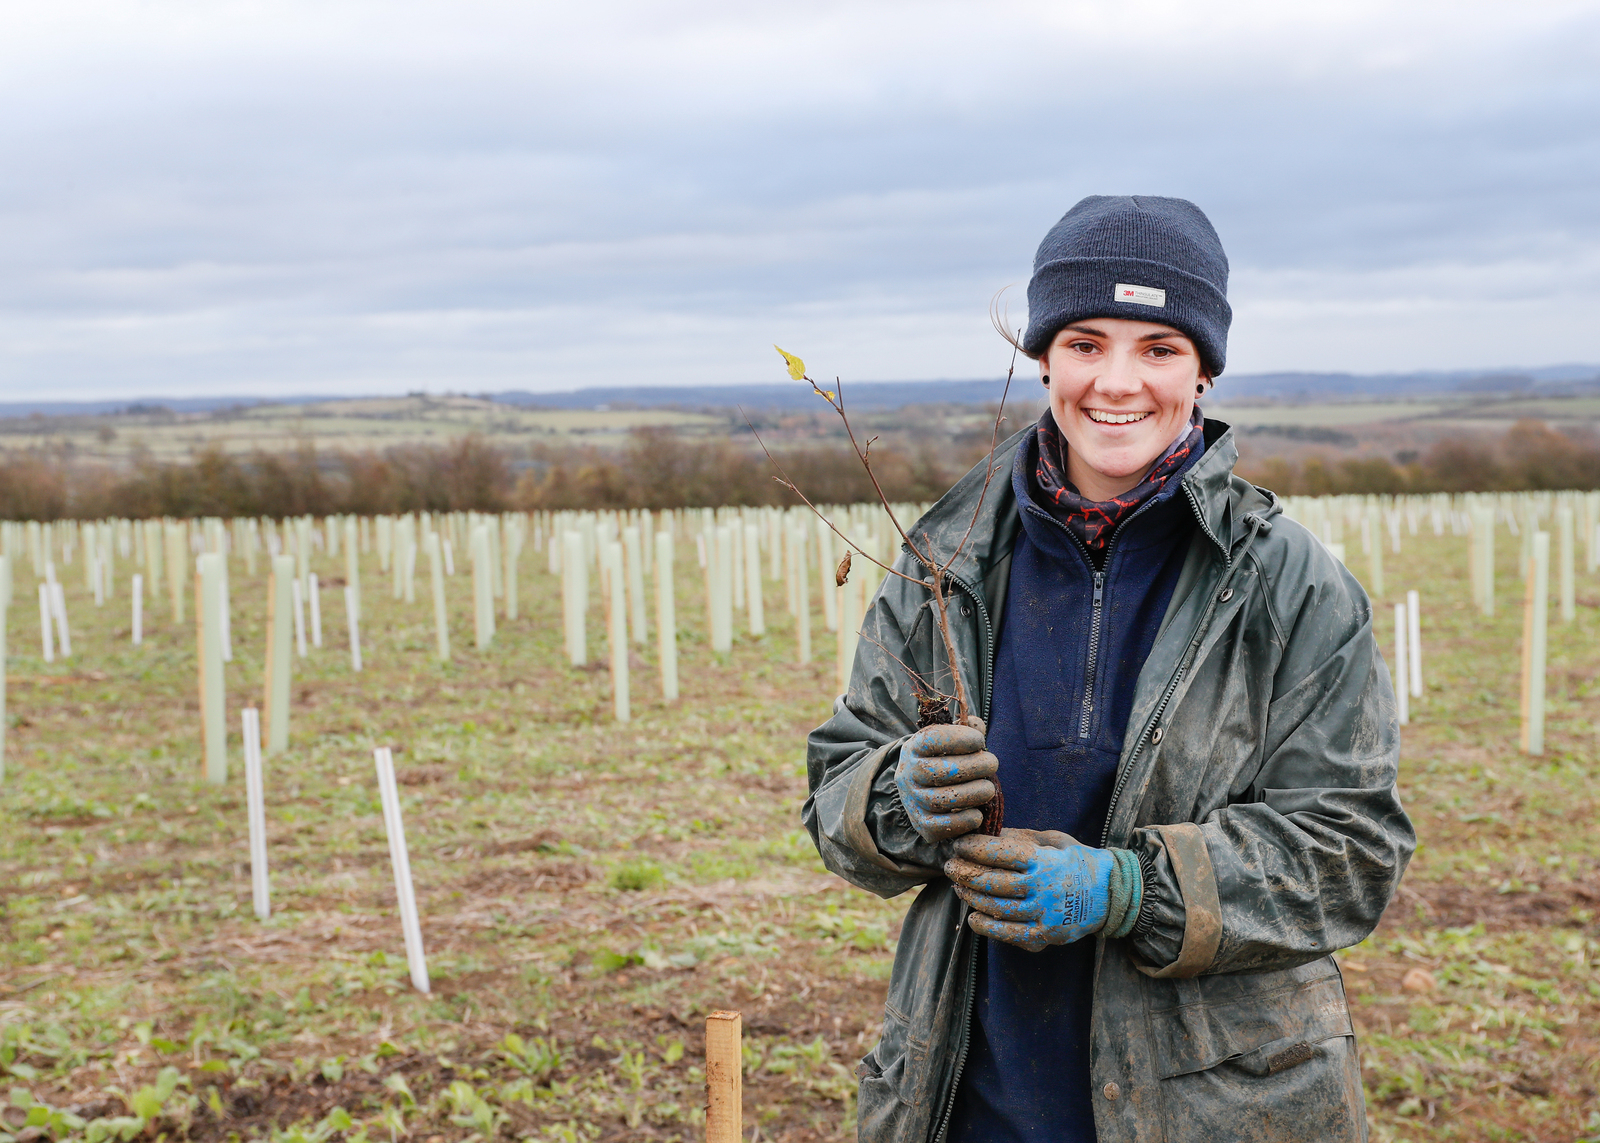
(1115, 418)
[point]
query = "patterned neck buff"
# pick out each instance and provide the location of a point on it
(1092, 522)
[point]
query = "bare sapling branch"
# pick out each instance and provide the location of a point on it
(924, 553)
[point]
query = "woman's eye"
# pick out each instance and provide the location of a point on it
(1082, 347)
(1161, 352)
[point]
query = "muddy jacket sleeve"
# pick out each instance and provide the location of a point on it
(1312, 843)
(853, 812)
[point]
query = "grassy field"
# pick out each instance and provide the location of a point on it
(354, 425)
(588, 891)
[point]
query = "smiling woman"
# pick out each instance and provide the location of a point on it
(1193, 728)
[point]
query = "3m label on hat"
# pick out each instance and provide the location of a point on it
(1139, 295)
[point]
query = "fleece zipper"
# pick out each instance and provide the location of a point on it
(1095, 610)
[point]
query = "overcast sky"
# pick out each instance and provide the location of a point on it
(281, 197)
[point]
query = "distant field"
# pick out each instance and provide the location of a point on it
(378, 423)
(354, 425)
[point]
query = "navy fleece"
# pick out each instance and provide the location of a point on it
(1063, 691)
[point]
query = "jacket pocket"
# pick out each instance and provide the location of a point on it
(1260, 1056)
(882, 1071)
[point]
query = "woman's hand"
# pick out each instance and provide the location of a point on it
(943, 778)
(1032, 888)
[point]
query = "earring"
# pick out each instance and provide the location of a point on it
(1045, 380)
(1199, 390)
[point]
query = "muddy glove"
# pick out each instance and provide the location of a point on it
(1035, 888)
(943, 778)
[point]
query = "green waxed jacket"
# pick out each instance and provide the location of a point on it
(1257, 779)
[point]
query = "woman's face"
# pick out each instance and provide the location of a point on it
(1121, 392)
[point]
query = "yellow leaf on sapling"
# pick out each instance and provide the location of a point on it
(797, 368)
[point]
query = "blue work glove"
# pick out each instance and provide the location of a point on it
(1034, 888)
(943, 779)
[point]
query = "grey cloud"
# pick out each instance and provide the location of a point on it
(498, 201)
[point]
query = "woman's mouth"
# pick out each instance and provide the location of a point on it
(1101, 417)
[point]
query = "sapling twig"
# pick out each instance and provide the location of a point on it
(924, 553)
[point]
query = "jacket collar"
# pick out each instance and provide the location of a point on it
(1222, 504)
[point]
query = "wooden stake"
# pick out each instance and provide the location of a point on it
(256, 812)
(724, 1078)
(666, 618)
(275, 686)
(400, 860)
(208, 637)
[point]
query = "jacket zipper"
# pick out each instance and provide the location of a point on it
(1172, 684)
(1094, 653)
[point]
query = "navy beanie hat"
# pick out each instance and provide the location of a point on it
(1132, 256)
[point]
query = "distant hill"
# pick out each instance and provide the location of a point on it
(1547, 381)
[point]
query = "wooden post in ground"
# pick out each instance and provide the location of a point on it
(1535, 629)
(208, 636)
(666, 618)
(724, 1078)
(280, 633)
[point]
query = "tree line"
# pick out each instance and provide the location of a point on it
(654, 468)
